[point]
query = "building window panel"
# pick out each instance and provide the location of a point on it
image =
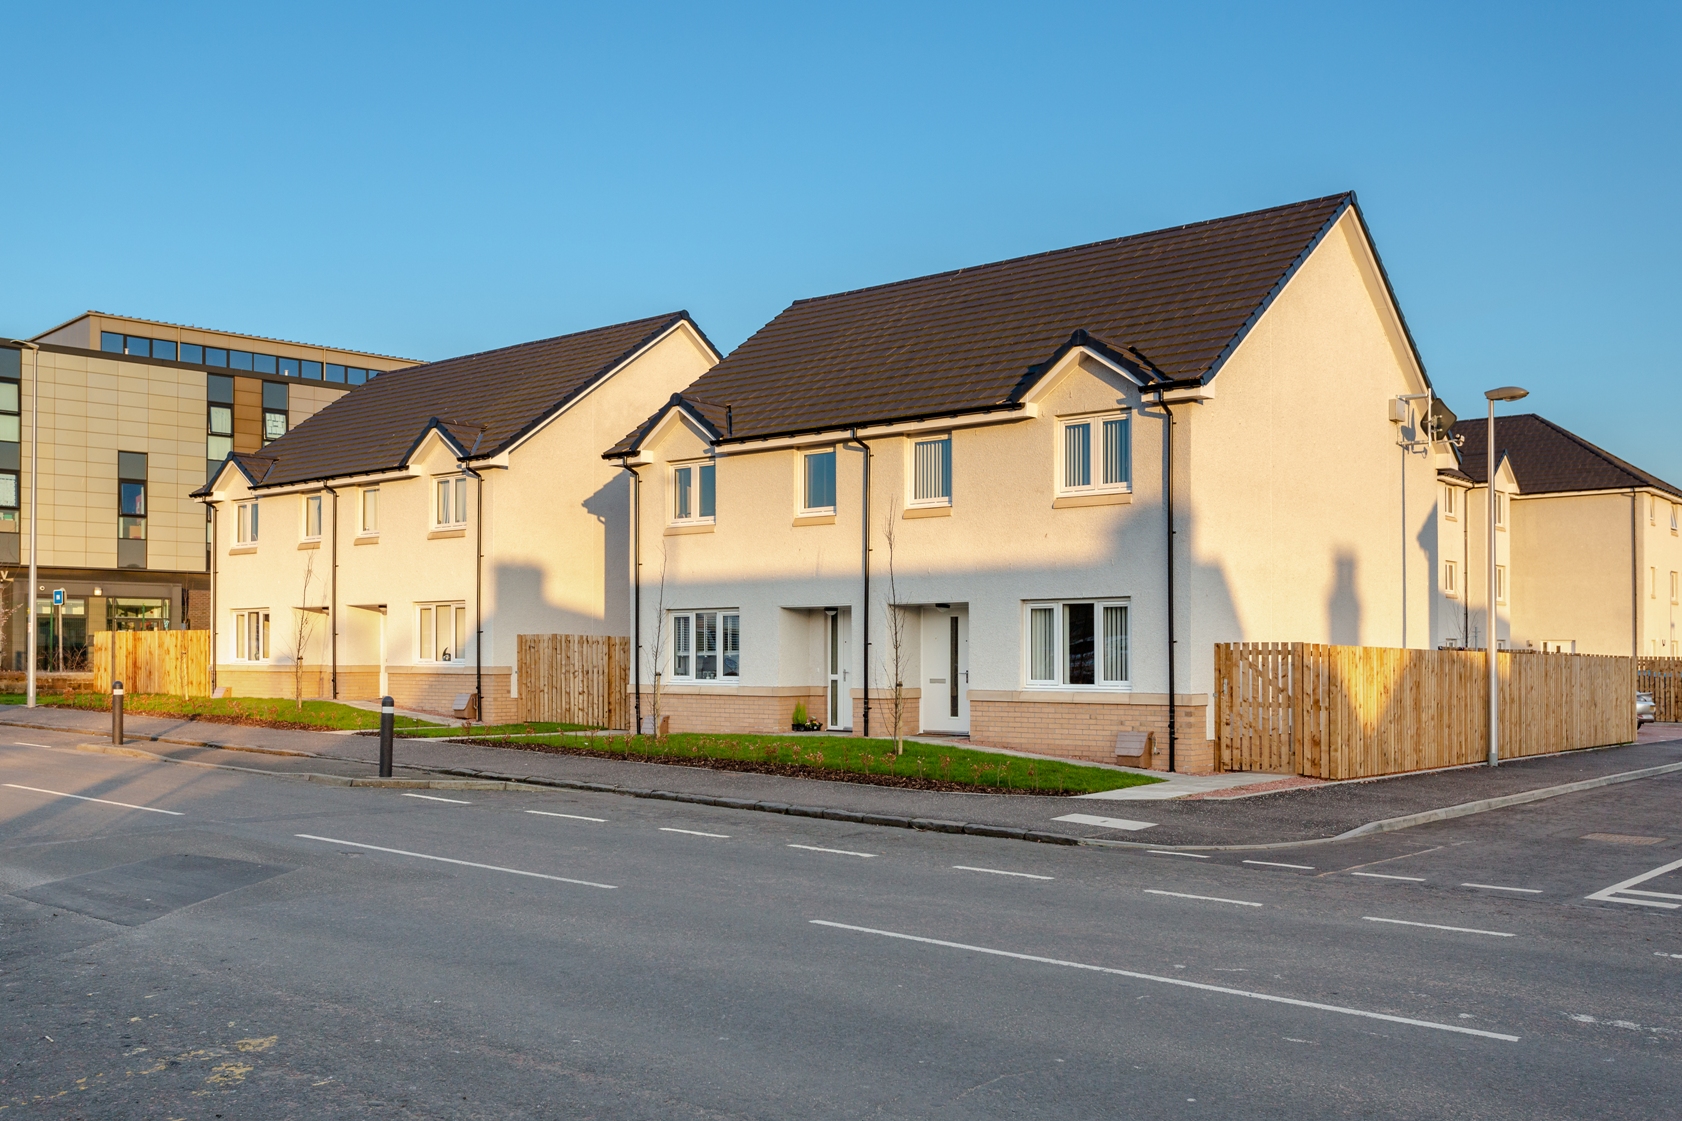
(707, 646)
(1500, 583)
(1451, 579)
(111, 342)
(709, 490)
(239, 359)
(163, 348)
(193, 353)
(680, 493)
(264, 364)
(245, 532)
(311, 370)
(1096, 455)
(818, 492)
(251, 635)
(357, 375)
(312, 516)
(215, 356)
(335, 373)
(450, 503)
(1077, 456)
(138, 347)
(1081, 644)
(371, 510)
(931, 471)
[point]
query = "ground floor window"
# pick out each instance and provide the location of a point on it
(1077, 643)
(251, 635)
(706, 646)
(441, 632)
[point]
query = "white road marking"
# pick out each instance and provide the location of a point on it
(1205, 898)
(574, 817)
(26, 743)
(1001, 872)
(694, 832)
(1165, 852)
(1382, 876)
(449, 860)
(1436, 926)
(1201, 986)
(1274, 864)
(432, 798)
(1651, 894)
(837, 852)
(1498, 887)
(1107, 822)
(1662, 954)
(1610, 894)
(101, 801)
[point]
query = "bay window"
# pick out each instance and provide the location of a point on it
(706, 646)
(1081, 643)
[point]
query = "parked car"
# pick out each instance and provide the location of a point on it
(1645, 710)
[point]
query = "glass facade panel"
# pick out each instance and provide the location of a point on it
(215, 356)
(11, 428)
(1118, 467)
(221, 420)
(239, 359)
(357, 375)
(135, 345)
(1078, 620)
(111, 342)
(275, 396)
(192, 352)
(131, 499)
(163, 348)
(8, 396)
(263, 363)
(335, 373)
(220, 388)
(311, 370)
(289, 367)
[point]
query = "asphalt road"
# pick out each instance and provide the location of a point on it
(273, 949)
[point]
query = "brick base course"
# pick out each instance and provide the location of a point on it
(420, 690)
(735, 711)
(1087, 732)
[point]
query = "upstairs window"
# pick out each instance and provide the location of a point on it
(312, 517)
(1500, 583)
(1095, 455)
(1451, 579)
(1077, 644)
(1451, 503)
(449, 508)
(707, 646)
(818, 482)
(1500, 510)
(245, 522)
(694, 493)
(370, 522)
(11, 419)
(274, 410)
(931, 472)
(131, 496)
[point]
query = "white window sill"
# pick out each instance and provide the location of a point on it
(367, 539)
(677, 528)
(1102, 498)
(310, 543)
(235, 550)
(944, 510)
(1055, 687)
(815, 518)
(447, 531)
(713, 683)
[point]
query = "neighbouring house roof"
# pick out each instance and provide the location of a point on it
(1547, 459)
(1168, 305)
(482, 402)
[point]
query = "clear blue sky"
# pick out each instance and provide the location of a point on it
(428, 180)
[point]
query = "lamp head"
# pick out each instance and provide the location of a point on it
(1506, 393)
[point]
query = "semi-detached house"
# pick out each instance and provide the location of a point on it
(1035, 493)
(400, 540)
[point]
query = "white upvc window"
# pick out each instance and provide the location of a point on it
(251, 635)
(931, 471)
(694, 493)
(440, 632)
(817, 482)
(1451, 503)
(1500, 583)
(1673, 517)
(1095, 454)
(707, 646)
(449, 503)
(1500, 509)
(312, 517)
(245, 522)
(1077, 644)
(370, 503)
(1451, 579)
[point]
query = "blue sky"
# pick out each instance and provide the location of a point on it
(427, 181)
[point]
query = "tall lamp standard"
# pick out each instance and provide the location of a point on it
(1505, 393)
(34, 459)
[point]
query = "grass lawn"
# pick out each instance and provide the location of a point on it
(923, 766)
(272, 712)
(492, 730)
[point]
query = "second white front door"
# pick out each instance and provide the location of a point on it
(837, 665)
(945, 669)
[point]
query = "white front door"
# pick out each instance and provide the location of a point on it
(837, 665)
(946, 669)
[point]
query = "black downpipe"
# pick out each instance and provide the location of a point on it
(1168, 503)
(478, 596)
(333, 607)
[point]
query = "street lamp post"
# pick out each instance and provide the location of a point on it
(34, 521)
(1504, 393)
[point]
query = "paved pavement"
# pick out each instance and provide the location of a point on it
(1287, 816)
(185, 942)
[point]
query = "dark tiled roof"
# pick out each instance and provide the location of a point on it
(1547, 459)
(1173, 303)
(483, 401)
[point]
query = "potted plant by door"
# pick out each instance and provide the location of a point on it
(802, 721)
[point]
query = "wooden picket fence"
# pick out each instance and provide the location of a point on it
(1661, 677)
(574, 679)
(1339, 712)
(174, 662)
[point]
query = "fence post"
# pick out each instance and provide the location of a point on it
(388, 720)
(117, 713)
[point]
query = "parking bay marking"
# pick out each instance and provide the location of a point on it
(434, 798)
(101, 801)
(694, 832)
(1205, 898)
(574, 817)
(1611, 894)
(1180, 982)
(1000, 872)
(451, 860)
(1438, 926)
(837, 852)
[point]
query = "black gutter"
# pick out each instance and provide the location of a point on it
(478, 594)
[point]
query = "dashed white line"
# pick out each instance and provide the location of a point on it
(1498, 887)
(1165, 852)
(433, 798)
(1205, 898)
(1436, 926)
(1000, 872)
(694, 832)
(450, 860)
(574, 817)
(1382, 876)
(837, 852)
(1275, 864)
(1180, 982)
(101, 801)
(26, 743)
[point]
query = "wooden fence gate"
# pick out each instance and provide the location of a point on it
(174, 662)
(1661, 677)
(574, 679)
(1338, 712)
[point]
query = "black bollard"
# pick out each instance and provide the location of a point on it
(117, 713)
(388, 721)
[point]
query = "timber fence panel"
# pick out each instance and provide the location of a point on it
(573, 679)
(1662, 677)
(173, 662)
